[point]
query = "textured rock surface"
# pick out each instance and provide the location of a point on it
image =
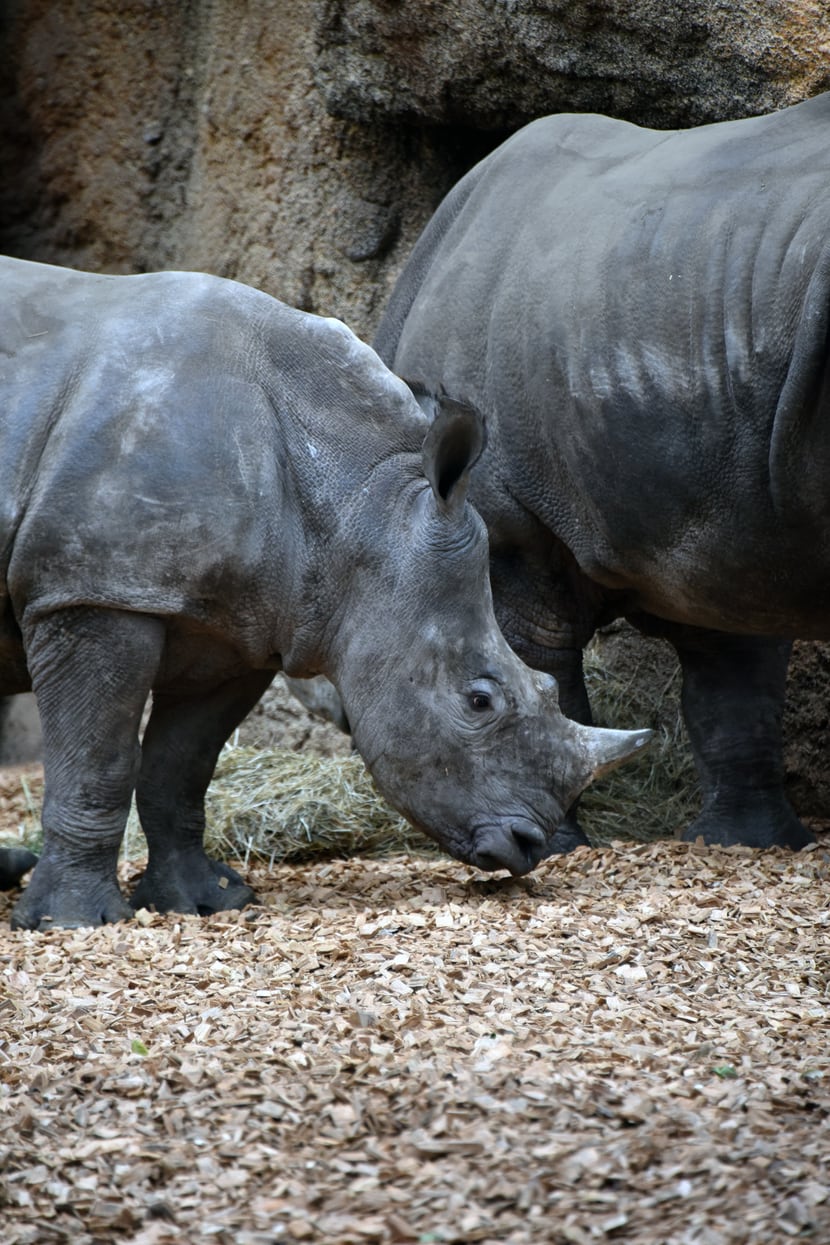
(498, 63)
(192, 136)
(302, 147)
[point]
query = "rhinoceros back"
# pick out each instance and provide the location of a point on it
(140, 455)
(623, 305)
(171, 442)
(32, 379)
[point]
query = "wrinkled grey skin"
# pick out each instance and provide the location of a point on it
(201, 486)
(642, 317)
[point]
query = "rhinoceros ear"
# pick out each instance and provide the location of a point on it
(451, 449)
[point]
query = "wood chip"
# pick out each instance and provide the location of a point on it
(629, 1045)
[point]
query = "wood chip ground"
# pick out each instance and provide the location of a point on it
(631, 1045)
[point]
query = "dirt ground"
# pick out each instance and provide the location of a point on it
(630, 1045)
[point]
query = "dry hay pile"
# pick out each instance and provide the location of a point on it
(269, 804)
(629, 1046)
(275, 805)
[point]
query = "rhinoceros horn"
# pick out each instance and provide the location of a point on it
(603, 750)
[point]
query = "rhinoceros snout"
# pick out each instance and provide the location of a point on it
(516, 845)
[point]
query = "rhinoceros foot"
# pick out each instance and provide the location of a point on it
(60, 895)
(14, 862)
(191, 883)
(758, 825)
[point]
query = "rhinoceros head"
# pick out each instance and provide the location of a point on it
(460, 736)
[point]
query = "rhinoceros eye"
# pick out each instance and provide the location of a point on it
(481, 701)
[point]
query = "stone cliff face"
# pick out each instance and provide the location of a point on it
(301, 146)
(496, 64)
(191, 135)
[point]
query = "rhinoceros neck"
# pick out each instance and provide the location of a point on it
(348, 554)
(349, 453)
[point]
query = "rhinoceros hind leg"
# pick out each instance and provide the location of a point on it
(92, 670)
(733, 701)
(14, 862)
(182, 742)
(756, 824)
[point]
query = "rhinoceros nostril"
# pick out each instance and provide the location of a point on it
(517, 846)
(529, 839)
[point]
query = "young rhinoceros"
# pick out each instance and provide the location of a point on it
(201, 486)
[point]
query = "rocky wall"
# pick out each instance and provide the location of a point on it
(301, 146)
(496, 64)
(190, 134)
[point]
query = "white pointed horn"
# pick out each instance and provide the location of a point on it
(604, 750)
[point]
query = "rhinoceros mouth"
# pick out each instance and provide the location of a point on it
(516, 844)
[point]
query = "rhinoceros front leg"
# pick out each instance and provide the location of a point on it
(566, 667)
(182, 742)
(91, 670)
(733, 701)
(546, 610)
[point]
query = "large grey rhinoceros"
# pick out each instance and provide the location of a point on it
(200, 486)
(643, 318)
